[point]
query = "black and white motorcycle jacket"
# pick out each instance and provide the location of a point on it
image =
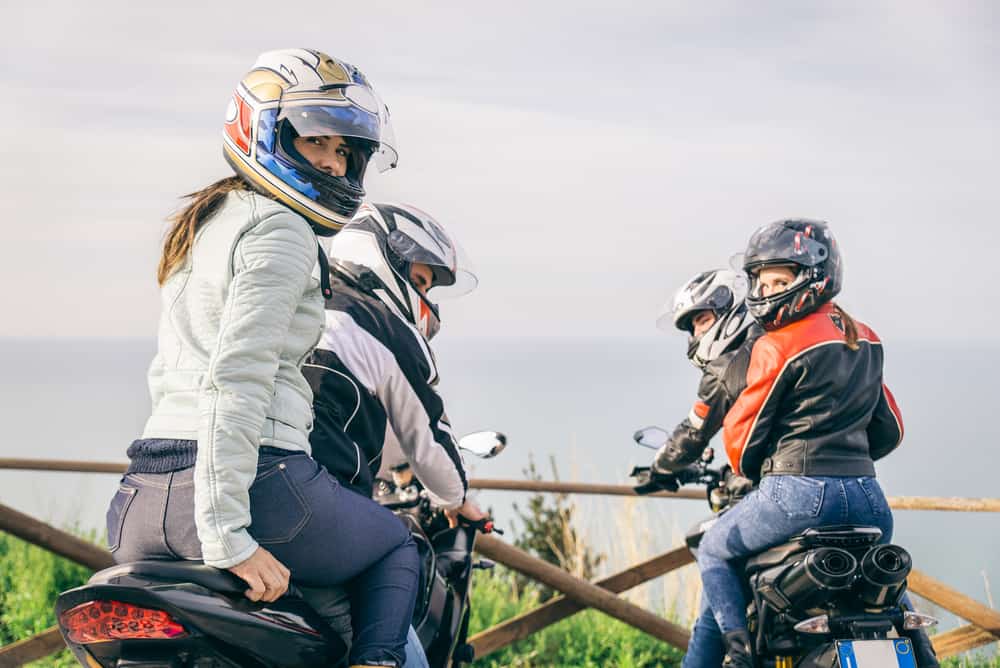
(722, 381)
(373, 376)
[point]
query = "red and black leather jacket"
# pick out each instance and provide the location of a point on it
(812, 406)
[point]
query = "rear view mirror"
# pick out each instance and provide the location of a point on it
(484, 444)
(651, 437)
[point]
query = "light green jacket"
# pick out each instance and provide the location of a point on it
(237, 320)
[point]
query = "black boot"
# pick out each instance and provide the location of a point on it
(739, 650)
(923, 650)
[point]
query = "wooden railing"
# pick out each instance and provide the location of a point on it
(577, 594)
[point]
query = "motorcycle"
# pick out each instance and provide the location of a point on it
(829, 597)
(441, 615)
(184, 614)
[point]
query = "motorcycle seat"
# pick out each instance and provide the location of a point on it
(173, 571)
(841, 535)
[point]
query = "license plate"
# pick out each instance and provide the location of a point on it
(893, 653)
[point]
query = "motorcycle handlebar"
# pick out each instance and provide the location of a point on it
(695, 474)
(484, 525)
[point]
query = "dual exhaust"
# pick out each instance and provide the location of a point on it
(878, 580)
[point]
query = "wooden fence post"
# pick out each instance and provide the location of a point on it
(954, 601)
(74, 466)
(54, 540)
(961, 640)
(31, 649)
(520, 627)
(582, 591)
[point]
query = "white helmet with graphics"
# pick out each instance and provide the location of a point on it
(721, 291)
(377, 250)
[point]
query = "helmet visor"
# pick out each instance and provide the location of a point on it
(348, 111)
(429, 244)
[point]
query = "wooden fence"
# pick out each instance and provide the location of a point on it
(577, 594)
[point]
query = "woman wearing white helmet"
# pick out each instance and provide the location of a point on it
(227, 441)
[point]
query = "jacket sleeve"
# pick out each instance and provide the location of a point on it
(416, 413)
(747, 426)
(272, 267)
(885, 431)
(692, 435)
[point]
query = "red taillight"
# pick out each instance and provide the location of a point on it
(101, 621)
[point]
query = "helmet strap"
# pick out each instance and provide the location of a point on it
(324, 273)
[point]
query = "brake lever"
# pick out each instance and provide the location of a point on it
(484, 525)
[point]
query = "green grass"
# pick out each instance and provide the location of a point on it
(588, 639)
(30, 580)
(976, 660)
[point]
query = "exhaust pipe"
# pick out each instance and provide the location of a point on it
(814, 580)
(883, 574)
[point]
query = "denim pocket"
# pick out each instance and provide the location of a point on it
(180, 534)
(876, 499)
(798, 497)
(116, 515)
(278, 509)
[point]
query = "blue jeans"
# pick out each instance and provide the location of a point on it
(781, 507)
(705, 649)
(415, 656)
(325, 534)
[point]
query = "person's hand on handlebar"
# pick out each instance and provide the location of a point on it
(267, 577)
(648, 481)
(469, 510)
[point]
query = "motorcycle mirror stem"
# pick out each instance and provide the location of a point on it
(651, 437)
(483, 444)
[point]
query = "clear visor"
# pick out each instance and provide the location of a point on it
(801, 275)
(348, 111)
(454, 275)
(686, 302)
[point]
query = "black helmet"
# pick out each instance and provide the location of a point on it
(806, 246)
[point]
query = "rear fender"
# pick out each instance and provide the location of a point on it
(283, 633)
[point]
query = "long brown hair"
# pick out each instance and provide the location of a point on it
(204, 203)
(850, 327)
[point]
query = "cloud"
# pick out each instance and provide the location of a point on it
(589, 158)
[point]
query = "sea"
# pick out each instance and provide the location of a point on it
(569, 407)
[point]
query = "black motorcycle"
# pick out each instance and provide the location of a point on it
(441, 616)
(829, 597)
(181, 614)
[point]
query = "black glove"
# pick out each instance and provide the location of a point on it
(736, 485)
(647, 481)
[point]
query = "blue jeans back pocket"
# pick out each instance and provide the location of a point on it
(116, 515)
(873, 492)
(278, 510)
(799, 497)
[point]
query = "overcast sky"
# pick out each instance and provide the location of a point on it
(590, 157)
